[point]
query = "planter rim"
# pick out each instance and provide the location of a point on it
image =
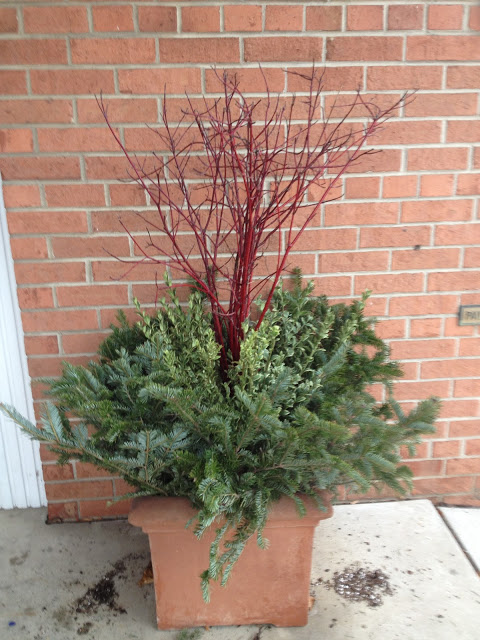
(177, 511)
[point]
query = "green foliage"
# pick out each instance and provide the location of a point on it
(294, 416)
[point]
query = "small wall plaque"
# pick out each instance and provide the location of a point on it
(469, 314)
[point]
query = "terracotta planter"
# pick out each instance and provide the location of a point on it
(266, 586)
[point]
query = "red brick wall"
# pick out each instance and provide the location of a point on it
(408, 228)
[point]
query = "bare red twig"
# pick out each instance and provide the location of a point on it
(235, 176)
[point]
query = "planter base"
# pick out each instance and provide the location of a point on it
(269, 586)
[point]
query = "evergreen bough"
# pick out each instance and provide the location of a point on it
(294, 416)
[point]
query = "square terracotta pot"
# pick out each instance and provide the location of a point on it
(268, 586)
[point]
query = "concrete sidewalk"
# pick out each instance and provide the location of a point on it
(428, 587)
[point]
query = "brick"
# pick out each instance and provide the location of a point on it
(453, 281)
(81, 195)
(324, 18)
(467, 388)
(76, 139)
(425, 258)
(41, 345)
(45, 272)
(109, 316)
(55, 20)
(8, 21)
(32, 52)
(471, 257)
(82, 342)
(457, 234)
(29, 248)
(450, 368)
(200, 19)
(43, 168)
(415, 349)
(437, 48)
(476, 158)
(47, 222)
(446, 449)
(472, 448)
(59, 320)
(436, 210)
(421, 452)
(66, 490)
(15, 141)
(388, 160)
(343, 213)
(351, 262)
(390, 283)
(283, 18)
(57, 472)
(21, 196)
(153, 81)
(124, 195)
(463, 466)
(468, 184)
(214, 50)
(122, 487)
(362, 188)
(87, 470)
(426, 468)
(13, 82)
(437, 185)
(437, 159)
(461, 501)
(71, 81)
(469, 347)
(474, 18)
(157, 19)
(463, 77)
(425, 328)
(332, 286)
(423, 305)
(442, 104)
(452, 328)
(439, 486)
(412, 132)
(108, 271)
(119, 110)
(113, 18)
(102, 509)
(445, 17)
(463, 131)
(387, 329)
(237, 19)
(72, 247)
(107, 167)
(327, 239)
(62, 512)
(364, 18)
(399, 186)
(464, 428)
(35, 298)
(35, 111)
(113, 51)
(279, 49)
(394, 237)
(400, 77)
(405, 17)
(333, 78)
(250, 80)
(364, 48)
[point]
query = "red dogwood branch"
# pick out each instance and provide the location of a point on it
(230, 181)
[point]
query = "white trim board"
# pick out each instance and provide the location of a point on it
(21, 478)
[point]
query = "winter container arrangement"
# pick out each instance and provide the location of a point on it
(243, 402)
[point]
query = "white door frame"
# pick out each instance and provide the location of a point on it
(21, 478)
